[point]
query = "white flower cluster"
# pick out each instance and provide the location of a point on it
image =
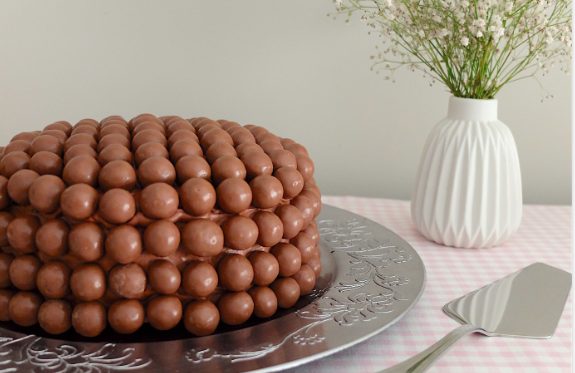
(473, 46)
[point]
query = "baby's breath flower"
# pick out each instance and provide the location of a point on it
(473, 47)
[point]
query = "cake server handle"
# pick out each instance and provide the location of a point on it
(423, 360)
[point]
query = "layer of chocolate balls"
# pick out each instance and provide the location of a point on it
(154, 220)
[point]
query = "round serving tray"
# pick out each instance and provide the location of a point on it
(370, 279)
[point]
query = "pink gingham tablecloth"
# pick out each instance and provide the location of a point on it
(544, 236)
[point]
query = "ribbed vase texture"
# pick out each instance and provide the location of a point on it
(468, 187)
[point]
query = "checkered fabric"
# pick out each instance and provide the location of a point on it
(544, 236)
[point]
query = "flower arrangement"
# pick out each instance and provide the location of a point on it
(474, 47)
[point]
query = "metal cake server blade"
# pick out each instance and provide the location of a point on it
(527, 303)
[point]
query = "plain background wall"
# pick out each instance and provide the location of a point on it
(284, 65)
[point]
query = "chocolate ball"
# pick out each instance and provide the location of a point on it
(240, 232)
(164, 276)
(149, 126)
(117, 206)
(267, 191)
(159, 201)
(164, 312)
(45, 143)
(126, 316)
(245, 148)
(257, 130)
(312, 231)
(297, 149)
(235, 272)
(21, 233)
(5, 297)
(88, 282)
(26, 136)
(305, 278)
(291, 180)
(266, 267)
(124, 244)
(162, 238)
(24, 307)
(198, 196)
(87, 129)
(229, 126)
(203, 237)
(19, 185)
(53, 280)
(79, 201)
(89, 319)
(192, 166)
(288, 257)
(128, 281)
(86, 241)
(265, 301)
(227, 167)
(203, 128)
(242, 136)
(215, 135)
(235, 308)
(267, 136)
(305, 167)
(52, 237)
(55, 316)
(315, 200)
(46, 163)
(59, 127)
(145, 118)
(156, 170)
(17, 146)
(201, 318)
(312, 187)
(44, 193)
(286, 290)
(14, 162)
(200, 279)
(270, 228)
(5, 262)
(178, 126)
(113, 139)
(306, 207)
(183, 148)
(257, 163)
(291, 218)
(234, 195)
(149, 150)
(269, 146)
(315, 264)
(4, 197)
(80, 139)
(61, 136)
(81, 169)
(182, 135)
(305, 244)
(218, 150)
(5, 219)
(114, 129)
(117, 174)
(147, 136)
(114, 152)
(76, 151)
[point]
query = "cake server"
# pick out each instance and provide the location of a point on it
(527, 303)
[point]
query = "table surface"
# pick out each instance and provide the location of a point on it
(544, 236)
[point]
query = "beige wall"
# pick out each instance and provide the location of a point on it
(281, 64)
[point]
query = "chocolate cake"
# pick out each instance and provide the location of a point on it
(154, 220)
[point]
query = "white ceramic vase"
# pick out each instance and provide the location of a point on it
(468, 187)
